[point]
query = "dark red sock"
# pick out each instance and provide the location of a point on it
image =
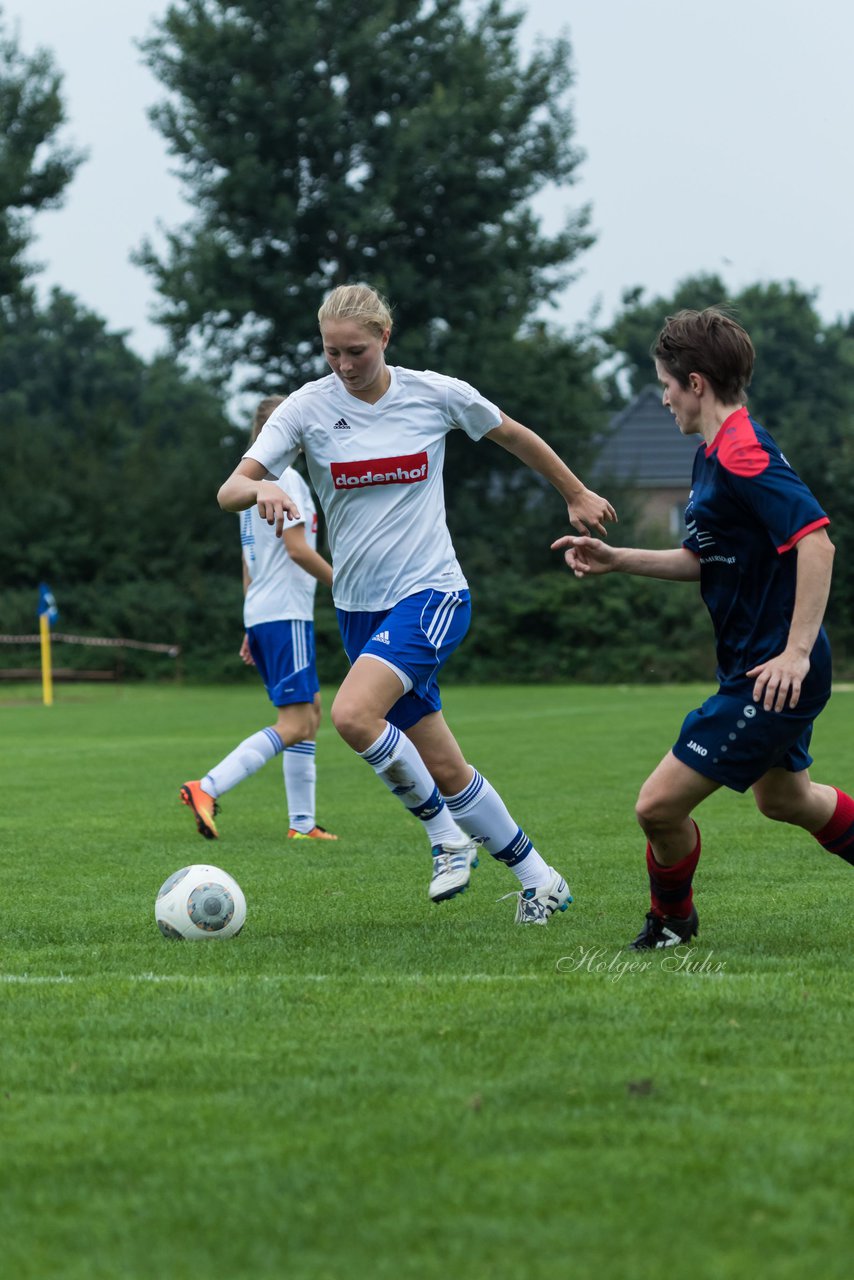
(838, 836)
(670, 889)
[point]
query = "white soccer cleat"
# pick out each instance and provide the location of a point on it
(535, 906)
(452, 868)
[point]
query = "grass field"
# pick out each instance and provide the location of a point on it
(366, 1085)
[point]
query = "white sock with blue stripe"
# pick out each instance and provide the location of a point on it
(481, 812)
(300, 770)
(252, 754)
(396, 762)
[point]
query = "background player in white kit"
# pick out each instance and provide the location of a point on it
(280, 576)
(374, 440)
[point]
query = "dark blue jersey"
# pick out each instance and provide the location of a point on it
(746, 512)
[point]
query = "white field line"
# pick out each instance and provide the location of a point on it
(370, 979)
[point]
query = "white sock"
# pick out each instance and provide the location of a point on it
(481, 812)
(252, 754)
(300, 772)
(396, 762)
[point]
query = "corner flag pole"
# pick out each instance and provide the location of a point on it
(47, 670)
(48, 614)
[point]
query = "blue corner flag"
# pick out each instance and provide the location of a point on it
(48, 614)
(47, 605)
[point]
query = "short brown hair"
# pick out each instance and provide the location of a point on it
(262, 413)
(712, 344)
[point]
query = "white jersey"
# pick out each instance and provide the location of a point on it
(280, 590)
(377, 470)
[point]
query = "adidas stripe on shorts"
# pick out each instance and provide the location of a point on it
(415, 638)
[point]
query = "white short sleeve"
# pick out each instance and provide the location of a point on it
(279, 439)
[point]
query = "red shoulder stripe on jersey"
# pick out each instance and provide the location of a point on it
(738, 447)
(802, 533)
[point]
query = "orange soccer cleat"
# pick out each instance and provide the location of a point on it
(204, 807)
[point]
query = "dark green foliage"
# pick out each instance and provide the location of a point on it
(111, 467)
(110, 464)
(631, 335)
(549, 627)
(322, 143)
(34, 167)
(502, 515)
(325, 143)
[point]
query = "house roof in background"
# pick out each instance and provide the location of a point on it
(644, 447)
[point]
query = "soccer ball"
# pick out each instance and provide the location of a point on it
(200, 902)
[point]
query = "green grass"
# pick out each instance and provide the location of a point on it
(366, 1085)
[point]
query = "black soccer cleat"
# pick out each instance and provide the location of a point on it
(664, 931)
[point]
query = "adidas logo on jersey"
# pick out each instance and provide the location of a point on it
(341, 425)
(381, 637)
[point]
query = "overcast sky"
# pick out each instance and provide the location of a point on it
(718, 138)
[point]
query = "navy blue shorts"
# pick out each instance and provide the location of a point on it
(415, 638)
(735, 742)
(285, 657)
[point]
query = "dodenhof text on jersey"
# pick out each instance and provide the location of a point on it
(411, 469)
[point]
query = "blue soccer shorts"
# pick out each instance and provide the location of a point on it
(285, 657)
(415, 638)
(735, 741)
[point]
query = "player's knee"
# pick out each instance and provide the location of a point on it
(339, 714)
(653, 810)
(450, 776)
(347, 717)
(777, 808)
(297, 725)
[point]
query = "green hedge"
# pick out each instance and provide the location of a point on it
(547, 628)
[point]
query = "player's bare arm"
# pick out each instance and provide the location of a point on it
(244, 651)
(779, 680)
(586, 556)
(249, 484)
(296, 546)
(587, 510)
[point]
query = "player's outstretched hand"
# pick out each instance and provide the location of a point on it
(588, 511)
(585, 555)
(779, 680)
(274, 505)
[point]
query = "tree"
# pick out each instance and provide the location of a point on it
(804, 366)
(110, 464)
(500, 513)
(629, 337)
(325, 143)
(35, 168)
(120, 446)
(110, 468)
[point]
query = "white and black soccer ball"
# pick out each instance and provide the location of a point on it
(200, 902)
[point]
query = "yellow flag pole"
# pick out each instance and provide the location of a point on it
(47, 671)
